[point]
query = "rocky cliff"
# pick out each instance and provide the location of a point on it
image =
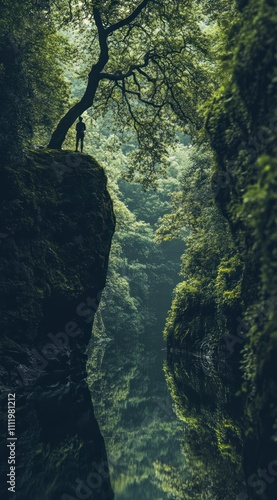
(234, 313)
(56, 228)
(242, 127)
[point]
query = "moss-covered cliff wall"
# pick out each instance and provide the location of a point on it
(56, 227)
(243, 131)
(239, 307)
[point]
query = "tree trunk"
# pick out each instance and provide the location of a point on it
(87, 100)
(71, 116)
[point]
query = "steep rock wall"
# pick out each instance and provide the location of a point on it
(243, 131)
(56, 228)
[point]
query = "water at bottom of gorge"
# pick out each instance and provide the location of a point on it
(171, 426)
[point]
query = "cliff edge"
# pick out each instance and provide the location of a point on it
(57, 224)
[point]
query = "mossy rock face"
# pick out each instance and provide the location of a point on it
(243, 132)
(212, 441)
(190, 318)
(57, 223)
(237, 305)
(201, 319)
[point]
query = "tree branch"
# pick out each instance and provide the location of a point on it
(148, 77)
(135, 120)
(98, 20)
(138, 94)
(102, 37)
(128, 19)
(115, 77)
(86, 101)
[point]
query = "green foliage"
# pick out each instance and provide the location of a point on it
(33, 89)
(242, 126)
(157, 75)
(186, 297)
(210, 265)
(212, 437)
(140, 274)
(234, 268)
(228, 281)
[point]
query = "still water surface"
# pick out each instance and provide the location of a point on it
(171, 426)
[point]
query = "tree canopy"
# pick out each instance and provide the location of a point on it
(33, 90)
(149, 64)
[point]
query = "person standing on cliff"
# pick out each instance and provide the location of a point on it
(80, 134)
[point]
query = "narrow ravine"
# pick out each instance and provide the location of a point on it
(171, 428)
(138, 237)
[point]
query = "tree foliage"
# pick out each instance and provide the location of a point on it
(149, 65)
(137, 264)
(211, 267)
(32, 59)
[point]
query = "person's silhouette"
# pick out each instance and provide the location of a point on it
(80, 133)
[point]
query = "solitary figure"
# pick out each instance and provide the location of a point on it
(80, 133)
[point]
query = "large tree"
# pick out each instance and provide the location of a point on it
(149, 63)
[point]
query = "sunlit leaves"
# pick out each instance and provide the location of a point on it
(34, 89)
(157, 72)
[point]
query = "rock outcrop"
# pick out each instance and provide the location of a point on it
(238, 311)
(242, 127)
(56, 228)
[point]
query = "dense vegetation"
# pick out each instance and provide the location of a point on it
(246, 151)
(33, 87)
(151, 68)
(229, 290)
(184, 100)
